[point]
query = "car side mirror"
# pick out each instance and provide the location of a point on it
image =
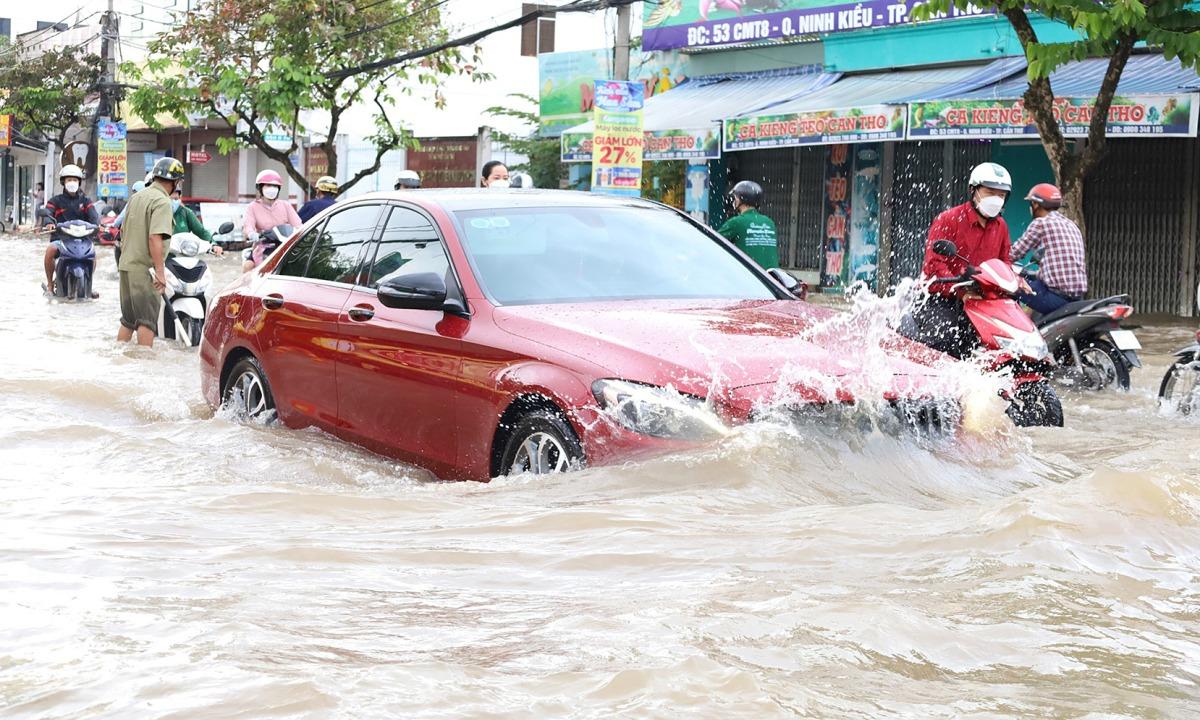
(945, 248)
(225, 229)
(789, 282)
(416, 291)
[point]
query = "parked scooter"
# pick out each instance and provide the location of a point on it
(1180, 389)
(1005, 328)
(76, 261)
(1092, 350)
(189, 287)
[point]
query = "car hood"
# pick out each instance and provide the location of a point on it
(701, 346)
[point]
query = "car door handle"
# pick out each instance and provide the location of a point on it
(360, 313)
(273, 301)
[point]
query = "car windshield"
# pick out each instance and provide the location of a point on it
(525, 256)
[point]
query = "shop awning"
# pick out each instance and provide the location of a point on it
(697, 106)
(857, 108)
(1155, 97)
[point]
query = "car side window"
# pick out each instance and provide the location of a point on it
(340, 242)
(296, 262)
(409, 244)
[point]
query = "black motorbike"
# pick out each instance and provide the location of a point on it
(1180, 389)
(1087, 341)
(76, 259)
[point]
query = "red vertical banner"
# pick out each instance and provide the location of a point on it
(836, 216)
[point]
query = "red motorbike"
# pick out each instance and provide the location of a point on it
(1005, 329)
(109, 233)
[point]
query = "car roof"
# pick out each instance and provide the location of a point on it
(466, 199)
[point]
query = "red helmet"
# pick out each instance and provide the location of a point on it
(1046, 195)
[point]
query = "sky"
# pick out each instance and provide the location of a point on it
(467, 100)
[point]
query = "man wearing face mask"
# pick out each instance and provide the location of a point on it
(980, 234)
(70, 204)
(266, 212)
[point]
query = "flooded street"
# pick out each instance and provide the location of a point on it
(157, 561)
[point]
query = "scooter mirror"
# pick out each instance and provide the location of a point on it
(946, 248)
(225, 229)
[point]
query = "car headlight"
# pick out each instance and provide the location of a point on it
(657, 411)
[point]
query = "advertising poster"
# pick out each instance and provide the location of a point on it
(694, 144)
(113, 178)
(818, 127)
(837, 215)
(1160, 115)
(674, 24)
(5, 130)
(567, 82)
(695, 198)
(864, 222)
(618, 138)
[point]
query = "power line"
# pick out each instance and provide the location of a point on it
(395, 20)
(576, 6)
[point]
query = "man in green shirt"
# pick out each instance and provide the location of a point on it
(146, 232)
(749, 229)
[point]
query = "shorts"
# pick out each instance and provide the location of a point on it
(140, 302)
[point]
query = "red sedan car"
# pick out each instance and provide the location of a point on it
(479, 333)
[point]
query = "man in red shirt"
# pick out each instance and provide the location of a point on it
(980, 234)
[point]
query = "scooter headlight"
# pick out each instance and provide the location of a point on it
(657, 411)
(1024, 345)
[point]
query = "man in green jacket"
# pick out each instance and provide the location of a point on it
(750, 230)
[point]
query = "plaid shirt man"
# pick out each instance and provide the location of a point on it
(1062, 265)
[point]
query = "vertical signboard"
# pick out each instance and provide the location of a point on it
(617, 140)
(113, 178)
(864, 220)
(837, 214)
(5, 130)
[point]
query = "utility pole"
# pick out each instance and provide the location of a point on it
(621, 58)
(107, 106)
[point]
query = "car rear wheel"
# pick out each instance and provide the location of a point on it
(247, 391)
(541, 443)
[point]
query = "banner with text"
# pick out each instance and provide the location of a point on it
(694, 144)
(113, 178)
(818, 127)
(1133, 115)
(618, 139)
(668, 25)
(5, 130)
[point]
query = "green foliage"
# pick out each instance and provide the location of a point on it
(45, 93)
(544, 165)
(265, 63)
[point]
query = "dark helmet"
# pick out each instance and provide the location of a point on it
(168, 168)
(748, 192)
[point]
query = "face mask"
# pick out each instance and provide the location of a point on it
(270, 192)
(72, 186)
(175, 204)
(991, 206)
(499, 184)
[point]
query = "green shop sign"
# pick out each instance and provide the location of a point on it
(817, 127)
(1130, 115)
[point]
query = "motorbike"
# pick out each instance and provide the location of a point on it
(76, 261)
(1005, 329)
(189, 286)
(266, 244)
(1091, 349)
(1180, 388)
(110, 233)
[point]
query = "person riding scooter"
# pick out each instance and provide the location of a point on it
(1062, 271)
(979, 234)
(70, 204)
(326, 188)
(267, 211)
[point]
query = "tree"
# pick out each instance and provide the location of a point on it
(262, 65)
(1108, 28)
(544, 163)
(46, 93)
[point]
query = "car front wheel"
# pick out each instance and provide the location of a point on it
(541, 443)
(247, 391)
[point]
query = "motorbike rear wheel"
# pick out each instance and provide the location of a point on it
(1036, 405)
(1180, 389)
(1107, 365)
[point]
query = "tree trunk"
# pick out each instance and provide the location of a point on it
(1072, 191)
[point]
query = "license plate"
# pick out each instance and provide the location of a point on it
(1125, 340)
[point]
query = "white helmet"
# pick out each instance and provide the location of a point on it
(990, 175)
(522, 180)
(408, 179)
(70, 171)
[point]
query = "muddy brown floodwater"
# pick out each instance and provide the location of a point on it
(157, 561)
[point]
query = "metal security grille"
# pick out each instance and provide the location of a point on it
(773, 170)
(809, 206)
(1140, 205)
(917, 198)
